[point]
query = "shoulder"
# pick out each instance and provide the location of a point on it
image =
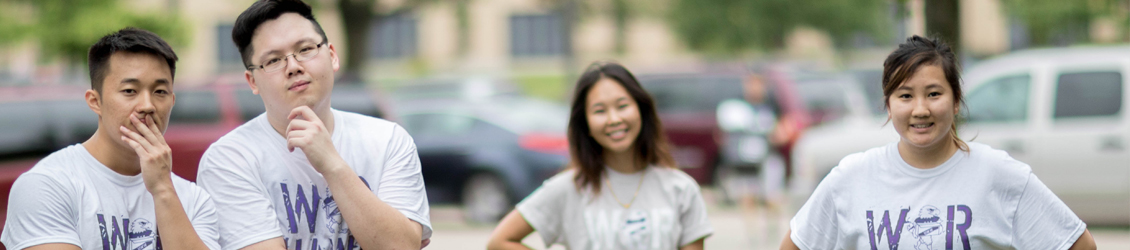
(675, 178)
(996, 164)
(369, 123)
(860, 163)
(58, 167)
(561, 181)
(250, 133)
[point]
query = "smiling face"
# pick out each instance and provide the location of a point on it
(923, 107)
(137, 83)
(613, 116)
(306, 83)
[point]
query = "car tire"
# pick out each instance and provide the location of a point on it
(485, 198)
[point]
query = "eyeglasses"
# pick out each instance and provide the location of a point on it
(304, 53)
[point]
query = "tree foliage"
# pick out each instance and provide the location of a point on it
(67, 28)
(1051, 22)
(727, 26)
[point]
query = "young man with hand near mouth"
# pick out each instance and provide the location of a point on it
(303, 175)
(116, 190)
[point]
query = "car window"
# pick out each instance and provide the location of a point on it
(436, 124)
(250, 104)
(824, 99)
(1088, 94)
(692, 94)
(195, 107)
(1003, 99)
(871, 82)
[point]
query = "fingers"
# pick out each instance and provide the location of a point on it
(142, 127)
(304, 113)
(136, 138)
(133, 144)
(158, 136)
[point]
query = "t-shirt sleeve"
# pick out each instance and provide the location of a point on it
(40, 211)
(1043, 220)
(205, 221)
(544, 208)
(692, 216)
(248, 217)
(402, 185)
(815, 225)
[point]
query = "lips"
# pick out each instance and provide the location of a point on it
(617, 135)
(299, 86)
(922, 127)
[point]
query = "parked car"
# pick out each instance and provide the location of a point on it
(687, 105)
(486, 155)
(41, 119)
(1062, 111)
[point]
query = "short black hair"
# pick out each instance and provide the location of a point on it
(129, 39)
(262, 11)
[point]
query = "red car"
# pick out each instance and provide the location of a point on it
(687, 105)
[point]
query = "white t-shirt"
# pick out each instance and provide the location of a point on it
(69, 197)
(266, 191)
(982, 199)
(667, 213)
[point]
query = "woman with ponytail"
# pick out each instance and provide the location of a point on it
(931, 190)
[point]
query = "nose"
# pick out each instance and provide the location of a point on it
(921, 108)
(292, 66)
(145, 105)
(614, 117)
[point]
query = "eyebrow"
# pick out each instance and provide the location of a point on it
(298, 43)
(135, 81)
(931, 86)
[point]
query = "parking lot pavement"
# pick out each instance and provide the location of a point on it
(732, 230)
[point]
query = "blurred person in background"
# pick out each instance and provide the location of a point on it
(753, 164)
(116, 190)
(931, 190)
(304, 175)
(621, 190)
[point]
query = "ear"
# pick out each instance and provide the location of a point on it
(333, 57)
(251, 82)
(94, 101)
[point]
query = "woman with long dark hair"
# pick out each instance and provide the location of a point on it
(931, 190)
(621, 190)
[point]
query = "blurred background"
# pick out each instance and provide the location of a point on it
(483, 87)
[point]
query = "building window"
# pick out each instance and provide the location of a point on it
(536, 35)
(226, 52)
(393, 37)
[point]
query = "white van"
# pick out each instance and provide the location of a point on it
(1064, 111)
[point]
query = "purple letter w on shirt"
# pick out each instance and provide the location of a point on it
(115, 238)
(893, 235)
(301, 205)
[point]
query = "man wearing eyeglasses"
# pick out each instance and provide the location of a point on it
(304, 175)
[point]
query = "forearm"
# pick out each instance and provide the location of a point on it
(506, 245)
(368, 217)
(172, 223)
(1085, 241)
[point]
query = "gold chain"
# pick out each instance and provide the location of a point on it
(626, 206)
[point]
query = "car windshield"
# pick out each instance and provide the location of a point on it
(692, 93)
(525, 115)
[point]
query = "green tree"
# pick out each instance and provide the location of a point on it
(1052, 22)
(728, 26)
(358, 17)
(65, 29)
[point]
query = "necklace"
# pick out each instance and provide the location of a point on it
(629, 204)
